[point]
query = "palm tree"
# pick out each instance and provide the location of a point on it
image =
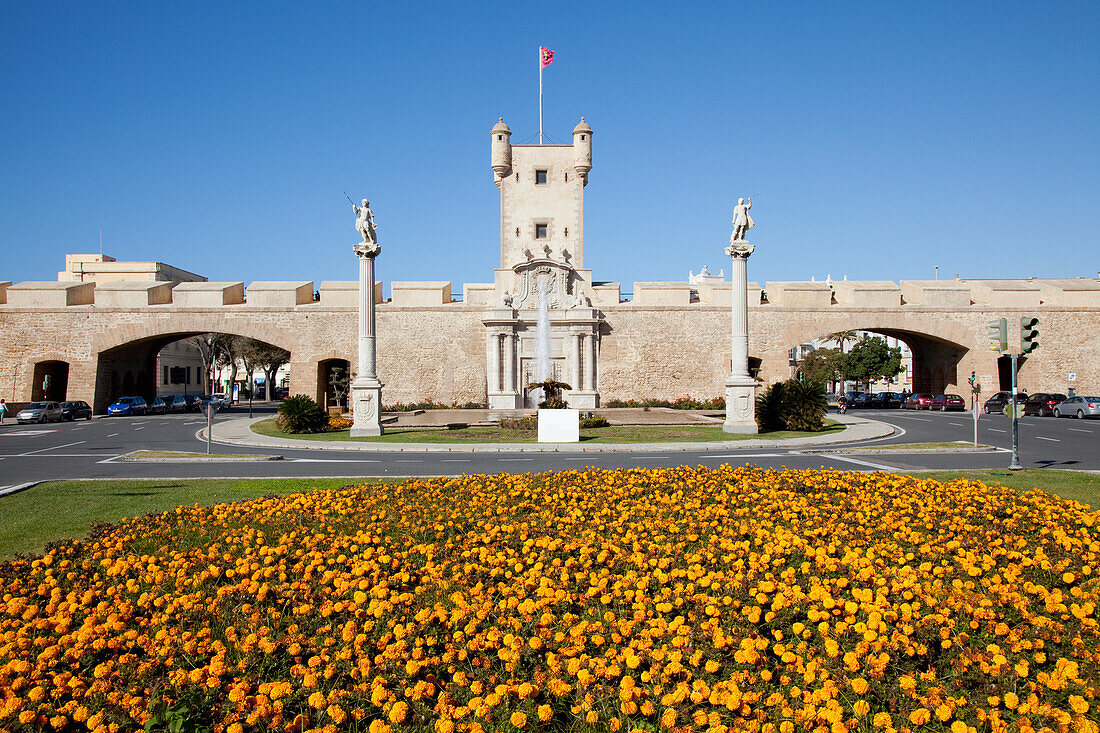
(847, 336)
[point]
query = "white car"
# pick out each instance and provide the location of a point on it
(221, 399)
(1079, 407)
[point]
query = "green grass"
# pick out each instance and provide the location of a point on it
(188, 454)
(1075, 485)
(67, 509)
(614, 434)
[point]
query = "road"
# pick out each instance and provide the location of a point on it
(84, 450)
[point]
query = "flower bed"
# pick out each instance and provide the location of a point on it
(688, 599)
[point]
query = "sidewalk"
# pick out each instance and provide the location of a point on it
(238, 432)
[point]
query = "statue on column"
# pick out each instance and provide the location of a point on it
(742, 221)
(364, 224)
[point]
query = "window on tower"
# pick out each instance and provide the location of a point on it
(540, 231)
(540, 177)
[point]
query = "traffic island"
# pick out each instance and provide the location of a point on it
(175, 456)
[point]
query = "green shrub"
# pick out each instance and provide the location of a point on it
(520, 423)
(596, 421)
(680, 403)
(792, 405)
(300, 414)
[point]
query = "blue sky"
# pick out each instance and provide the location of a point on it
(886, 138)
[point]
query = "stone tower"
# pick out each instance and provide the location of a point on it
(541, 196)
(541, 251)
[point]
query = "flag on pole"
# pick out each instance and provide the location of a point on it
(546, 56)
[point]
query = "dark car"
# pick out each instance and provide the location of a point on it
(128, 406)
(863, 400)
(997, 402)
(894, 400)
(157, 407)
(918, 401)
(176, 404)
(194, 402)
(1042, 403)
(76, 410)
(945, 402)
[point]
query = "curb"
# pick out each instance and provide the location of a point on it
(878, 430)
(213, 458)
(17, 488)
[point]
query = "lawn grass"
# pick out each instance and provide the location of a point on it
(55, 510)
(614, 434)
(1075, 485)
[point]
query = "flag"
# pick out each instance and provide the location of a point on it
(546, 57)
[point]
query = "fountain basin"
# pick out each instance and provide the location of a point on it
(559, 426)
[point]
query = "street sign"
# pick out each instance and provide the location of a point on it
(1073, 376)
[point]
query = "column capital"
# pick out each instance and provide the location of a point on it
(368, 250)
(740, 248)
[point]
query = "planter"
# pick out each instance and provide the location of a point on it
(559, 426)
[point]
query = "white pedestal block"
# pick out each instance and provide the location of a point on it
(582, 400)
(504, 401)
(740, 405)
(366, 405)
(559, 426)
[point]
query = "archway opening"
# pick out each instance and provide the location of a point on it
(50, 381)
(333, 380)
(190, 363)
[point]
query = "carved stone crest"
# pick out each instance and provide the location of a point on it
(556, 278)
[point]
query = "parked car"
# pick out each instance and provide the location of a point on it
(918, 401)
(863, 400)
(945, 402)
(1078, 406)
(178, 403)
(221, 398)
(1042, 403)
(76, 410)
(894, 400)
(193, 402)
(997, 402)
(44, 411)
(128, 406)
(157, 407)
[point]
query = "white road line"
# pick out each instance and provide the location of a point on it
(651, 458)
(997, 430)
(1052, 440)
(576, 459)
(1079, 430)
(879, 466)
(514, 460)
(454, 460)
(113, 435)
(55, 447)
(746, 455)
(141, 428)
(957, 424)
(408, 461)
(330, 460)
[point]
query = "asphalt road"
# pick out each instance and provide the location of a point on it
(85, 450)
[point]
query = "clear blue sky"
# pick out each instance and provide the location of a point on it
(886, 137)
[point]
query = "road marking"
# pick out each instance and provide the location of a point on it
(879, 466)
(408, 461)
(331, 460)
(576, 459)
(1079, 430)
(55, 447)
(746, 455)
(514, 460)
(651, 458)
(196, 422)
(454, 460)
(997, 430)
(957, 424)
(1053, 440)
(26, 433)
(113, 435)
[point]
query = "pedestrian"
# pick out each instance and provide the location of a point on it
(3, 410)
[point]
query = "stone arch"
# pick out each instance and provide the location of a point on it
(50, 380)
(938, 345)
(133, 347)
(323, 364)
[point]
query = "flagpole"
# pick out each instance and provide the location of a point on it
(540, 95)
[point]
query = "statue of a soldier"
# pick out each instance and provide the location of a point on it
(364, 222)
(742, 221)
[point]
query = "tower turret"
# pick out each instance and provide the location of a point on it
(502, 151)
(582, 150)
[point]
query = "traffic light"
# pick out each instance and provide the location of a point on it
(1029, 334)
(972, 378)
(998, 335)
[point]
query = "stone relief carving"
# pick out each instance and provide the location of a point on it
(365, 407)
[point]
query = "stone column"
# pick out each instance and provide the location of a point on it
(577, 344)
(740, 387)
(509, 363)
(589, 341)
(366, 390)
(494, 362)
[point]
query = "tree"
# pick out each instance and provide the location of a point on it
(229, 356)
(871, 358)
(340, 381)
(843, 337)
(825, 366)
(209, 346)
(257, 355)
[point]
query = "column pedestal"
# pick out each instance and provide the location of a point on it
(740, 406)
(366, 405)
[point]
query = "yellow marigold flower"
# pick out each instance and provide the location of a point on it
(27, 716)
(1011, 700)
(1078, 704)
(398, 712)
(958, 727)
(317, 700)
(668, 718)
(920, 716)
(545, 713)
(518, 719)
(443, 725)
(1068, 578)
(859, 685)
(882, 720)
(336, 713)
(378, 726)
(861, 708)
(944, 713)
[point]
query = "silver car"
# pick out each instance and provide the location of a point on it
(40, 412)
(1078, 406)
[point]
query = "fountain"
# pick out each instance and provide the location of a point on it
(543, 367)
